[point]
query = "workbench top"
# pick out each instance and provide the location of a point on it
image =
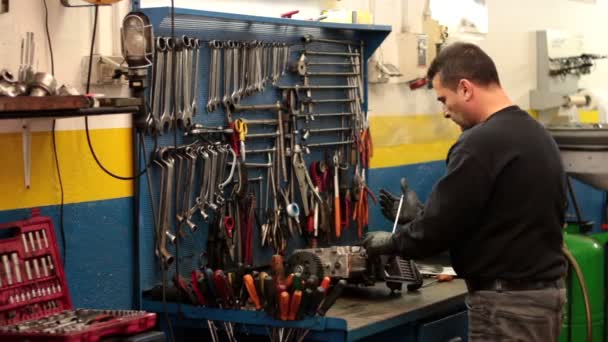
(368, 310)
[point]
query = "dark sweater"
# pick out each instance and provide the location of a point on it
(500, 207)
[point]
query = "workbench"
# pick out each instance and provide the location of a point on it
(434, 313)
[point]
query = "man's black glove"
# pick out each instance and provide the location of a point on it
(379, 243)
(390, 204)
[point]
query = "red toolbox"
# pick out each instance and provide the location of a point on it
(35, 304)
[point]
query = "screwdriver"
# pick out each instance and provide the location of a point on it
(250, 286)
(223, 288)
(297, 281)
(294, 305)
(306, 300)
(325, 283)
(289, 281)
(278, 271)
(210, 286)
(332, 297)
(259, 286)
(317, 298)
(284, 306)
(196, 275)
(271, 295)
(312, 282)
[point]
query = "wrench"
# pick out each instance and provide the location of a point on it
(195, 81)
(235, 96)
(186, 85)
(228, 63)
(180, 47)
(166, 118)
(159, 81)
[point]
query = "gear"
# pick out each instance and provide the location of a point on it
(305, 262)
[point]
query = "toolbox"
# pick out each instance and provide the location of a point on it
(35, 304)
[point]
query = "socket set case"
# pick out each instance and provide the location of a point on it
(35, 304)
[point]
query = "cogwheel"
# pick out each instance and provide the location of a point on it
(305, 262)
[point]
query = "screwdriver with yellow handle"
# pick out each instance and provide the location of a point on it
(241, 128)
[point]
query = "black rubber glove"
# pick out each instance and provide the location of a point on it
(379, 243)
(390, 204)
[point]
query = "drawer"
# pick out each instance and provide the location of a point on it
(452, 328)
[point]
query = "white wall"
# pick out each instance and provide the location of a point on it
(510, 40)
(511, 43)
(70, 30)
(308, 8)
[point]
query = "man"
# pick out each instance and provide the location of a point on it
(499, 208)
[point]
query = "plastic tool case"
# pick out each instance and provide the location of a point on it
(35, 304)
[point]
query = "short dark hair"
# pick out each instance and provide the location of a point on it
(463, 60)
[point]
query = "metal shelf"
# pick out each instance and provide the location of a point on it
(198, 20)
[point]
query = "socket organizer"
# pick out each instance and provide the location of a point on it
(35, 303)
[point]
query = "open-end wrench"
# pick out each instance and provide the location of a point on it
(166, 118)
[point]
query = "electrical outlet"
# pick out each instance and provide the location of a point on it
(103, 70)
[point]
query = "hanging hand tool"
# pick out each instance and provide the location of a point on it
(361, 211)
(337, 215)
(240, 127)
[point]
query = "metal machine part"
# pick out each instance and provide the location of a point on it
(43, 84)
(8, 84)
(354, 265)
(584, 151)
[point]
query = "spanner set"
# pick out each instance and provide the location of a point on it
(35, 304)
(253, 170)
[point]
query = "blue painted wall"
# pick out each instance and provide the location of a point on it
(421, 177)
(99, 261)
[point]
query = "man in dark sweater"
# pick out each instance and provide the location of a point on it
(499, 208)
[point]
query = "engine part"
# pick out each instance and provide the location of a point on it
(352, 264)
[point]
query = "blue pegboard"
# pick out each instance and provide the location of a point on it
(208, 26)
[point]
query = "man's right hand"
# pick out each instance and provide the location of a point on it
(409, 209)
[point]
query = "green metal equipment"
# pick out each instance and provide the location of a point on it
(590, 253)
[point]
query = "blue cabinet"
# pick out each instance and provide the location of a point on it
(448, 329)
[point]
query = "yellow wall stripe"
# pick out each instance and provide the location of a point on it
(410, 139)
(589, 116)
(82, 179)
